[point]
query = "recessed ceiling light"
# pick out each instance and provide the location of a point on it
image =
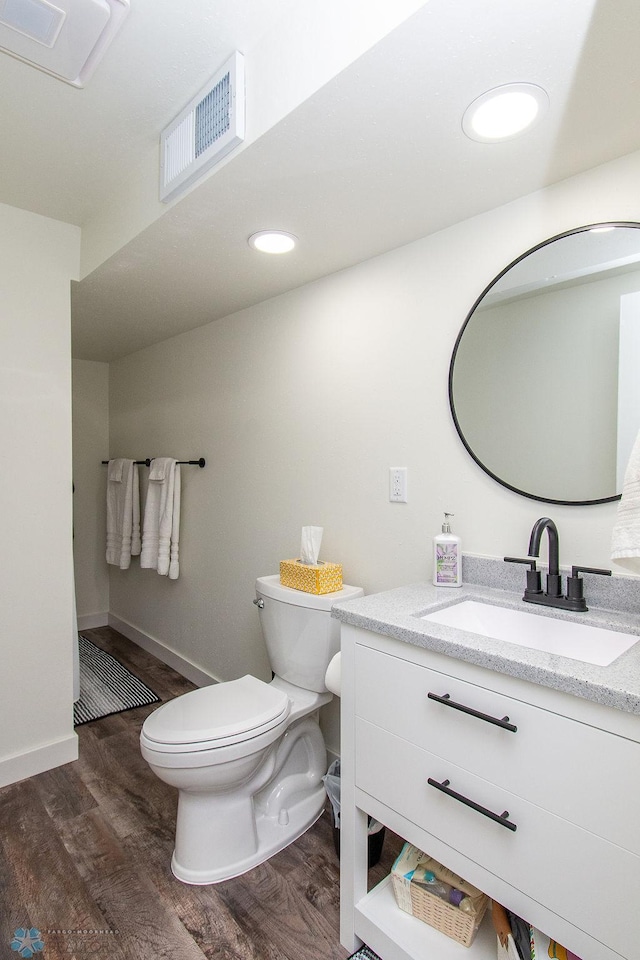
(272, 241)
(504, 112)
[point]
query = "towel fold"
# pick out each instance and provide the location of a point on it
(161, 526)
(625, 542)
(123, 512)
(159, 468)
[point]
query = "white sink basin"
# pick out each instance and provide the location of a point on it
(578, 641)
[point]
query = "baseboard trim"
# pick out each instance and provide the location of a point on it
(90, 620)
(39, 760)
(331, 756)
(173, 659)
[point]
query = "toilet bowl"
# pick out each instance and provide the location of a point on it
(248, 757)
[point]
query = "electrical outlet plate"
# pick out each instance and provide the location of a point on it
(398, 484)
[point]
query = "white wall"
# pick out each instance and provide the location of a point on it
(38, 258)
(90, 394)
(302, 403)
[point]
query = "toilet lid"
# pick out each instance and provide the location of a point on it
(219, 714)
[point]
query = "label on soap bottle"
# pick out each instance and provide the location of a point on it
(447, 563)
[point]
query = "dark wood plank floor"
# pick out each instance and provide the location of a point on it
(85, 852)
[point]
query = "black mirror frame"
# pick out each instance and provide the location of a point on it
(503, 483)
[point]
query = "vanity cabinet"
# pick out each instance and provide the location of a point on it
(530, 794)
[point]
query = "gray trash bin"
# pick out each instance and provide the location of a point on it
(376, 830)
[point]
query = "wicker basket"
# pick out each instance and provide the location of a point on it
(416, 900)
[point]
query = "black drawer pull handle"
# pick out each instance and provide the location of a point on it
(501, 818)
(448, 702)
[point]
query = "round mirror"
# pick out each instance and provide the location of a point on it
(544, 381)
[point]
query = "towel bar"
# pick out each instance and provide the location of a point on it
(200, 462)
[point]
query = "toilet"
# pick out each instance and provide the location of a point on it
(248, 757)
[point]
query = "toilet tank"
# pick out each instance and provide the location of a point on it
(299, 631)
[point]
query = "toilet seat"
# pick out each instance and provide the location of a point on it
(216, 716)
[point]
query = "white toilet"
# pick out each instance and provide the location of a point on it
(248, 757)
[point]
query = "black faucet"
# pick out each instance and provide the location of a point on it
(554, 580)
(552, 596)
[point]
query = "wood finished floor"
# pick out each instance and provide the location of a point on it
(86, 847)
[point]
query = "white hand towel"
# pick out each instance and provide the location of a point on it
(123, 512)
(115, 496)
(162, 518)
(174, 565)
(625, 545)
(153, 508)
(136, 543)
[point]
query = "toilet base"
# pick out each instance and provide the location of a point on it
(272, 837)
(269, 803)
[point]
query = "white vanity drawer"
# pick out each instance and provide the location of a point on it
(536, 858)
(547, 760)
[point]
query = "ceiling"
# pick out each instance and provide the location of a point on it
(371, 160)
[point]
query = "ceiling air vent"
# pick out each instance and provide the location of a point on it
(208, 128)
(66, 38)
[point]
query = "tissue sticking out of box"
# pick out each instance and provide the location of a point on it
(310, 544)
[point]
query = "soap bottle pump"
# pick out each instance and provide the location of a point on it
(447, 557)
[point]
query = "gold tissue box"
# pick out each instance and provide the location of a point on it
(311, 577)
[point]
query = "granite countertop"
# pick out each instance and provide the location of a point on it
(396, 613)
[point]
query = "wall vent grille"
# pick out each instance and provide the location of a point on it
(208, 128)
(212, 115)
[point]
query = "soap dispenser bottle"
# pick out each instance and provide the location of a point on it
(447, 557)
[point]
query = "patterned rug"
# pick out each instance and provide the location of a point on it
(364, 953)
(106, 686)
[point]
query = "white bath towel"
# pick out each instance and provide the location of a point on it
(625, 545)
(123, 512)
(161, 526)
